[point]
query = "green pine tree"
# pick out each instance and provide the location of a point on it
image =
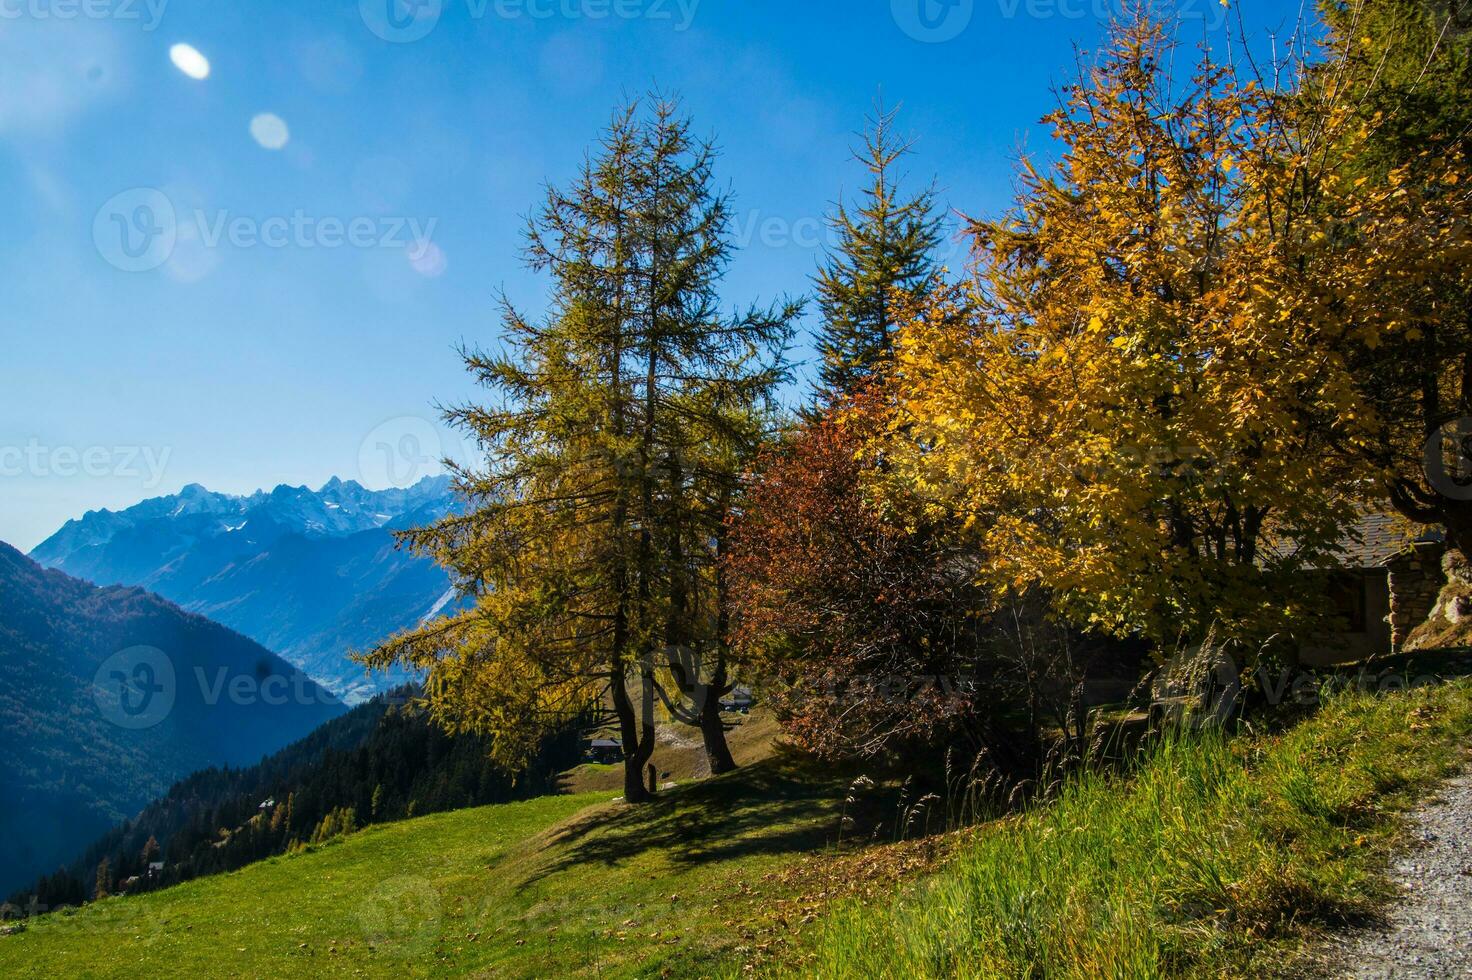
(884, 253)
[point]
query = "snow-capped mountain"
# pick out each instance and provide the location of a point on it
(312, 574)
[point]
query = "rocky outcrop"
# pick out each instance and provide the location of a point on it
(1449, 622)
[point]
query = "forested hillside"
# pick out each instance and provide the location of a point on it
(109, 696)
(382, 761)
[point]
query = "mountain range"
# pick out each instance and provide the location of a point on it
(312, 575)
(109, 695)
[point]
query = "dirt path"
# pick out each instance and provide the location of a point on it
(1429, 931)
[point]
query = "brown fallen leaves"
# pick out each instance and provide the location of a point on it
(770, 913)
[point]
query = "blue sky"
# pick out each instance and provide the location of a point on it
(290, 325)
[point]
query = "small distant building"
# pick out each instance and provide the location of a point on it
(155, 868)
(267, 803)
(740, 699)
(605, 750)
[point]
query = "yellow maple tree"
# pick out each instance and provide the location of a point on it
(1141, 395)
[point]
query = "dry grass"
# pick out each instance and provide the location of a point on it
(681, 753)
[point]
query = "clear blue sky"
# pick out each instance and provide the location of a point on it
(257, 346)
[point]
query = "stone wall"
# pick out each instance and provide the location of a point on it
(1450, 624)
(1416, 580)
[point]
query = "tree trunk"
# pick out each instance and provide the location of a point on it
(635, 755)
(634, 789)
(713, 732)
(1457, 519)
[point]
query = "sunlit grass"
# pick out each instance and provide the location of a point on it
(556, 886)
(1215, 857)
(1219, 856)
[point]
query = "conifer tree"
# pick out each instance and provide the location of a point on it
(885, 244)
(619, 419)
(708, 392)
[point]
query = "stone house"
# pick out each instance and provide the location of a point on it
(1385, 586)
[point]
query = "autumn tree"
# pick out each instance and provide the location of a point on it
(868, 624)
(1135, 401)
(1395, 96)
(883, 256)
(621, 418)
(1404, 67)
(547, 543)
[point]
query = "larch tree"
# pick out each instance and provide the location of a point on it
(709, 384)
(586, 542)
(884, 254)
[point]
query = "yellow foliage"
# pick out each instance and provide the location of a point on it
(1142, 398)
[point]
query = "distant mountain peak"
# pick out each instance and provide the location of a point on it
(309, 573)
(339, 508)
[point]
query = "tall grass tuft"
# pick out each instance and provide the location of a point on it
(1211, 857)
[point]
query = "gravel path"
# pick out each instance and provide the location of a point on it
(1429, 931)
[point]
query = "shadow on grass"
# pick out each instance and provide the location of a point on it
(778, 806)
(1423, 665)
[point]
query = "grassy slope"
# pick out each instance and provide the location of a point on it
(555, 886)
(1220, 858)
(681, 753)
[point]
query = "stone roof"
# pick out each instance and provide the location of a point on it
(1377, 539)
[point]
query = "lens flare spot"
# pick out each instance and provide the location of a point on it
(269, 130)
(187, 59)
(427, 259)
